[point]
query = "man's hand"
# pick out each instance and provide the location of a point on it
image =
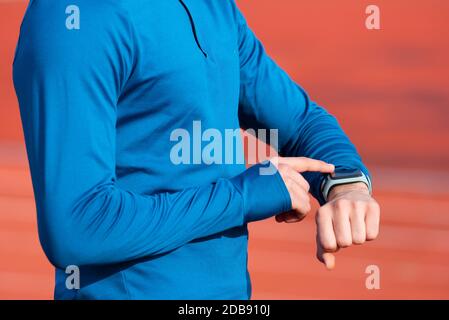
(351, 216)
(290, 170)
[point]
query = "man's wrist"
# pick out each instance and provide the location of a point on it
(263, 195)
(356, 186)
(343, 176)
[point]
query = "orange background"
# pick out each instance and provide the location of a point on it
(390, 92)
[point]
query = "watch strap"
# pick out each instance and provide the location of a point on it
(328, 183)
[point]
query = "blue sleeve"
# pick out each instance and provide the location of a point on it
(270, 99)
(68, 83)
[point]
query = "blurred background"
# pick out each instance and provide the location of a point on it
(390, 91)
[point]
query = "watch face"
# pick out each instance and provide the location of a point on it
(346, 174)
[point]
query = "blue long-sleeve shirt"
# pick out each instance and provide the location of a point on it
(99, 101)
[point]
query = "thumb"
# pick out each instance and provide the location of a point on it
(327, 258)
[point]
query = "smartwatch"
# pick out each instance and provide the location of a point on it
(343, 176)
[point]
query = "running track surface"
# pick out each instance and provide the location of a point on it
(390, 91)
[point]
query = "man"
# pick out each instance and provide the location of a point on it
(103, 84)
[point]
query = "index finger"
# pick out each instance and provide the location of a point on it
(327, 258)
(302, 164)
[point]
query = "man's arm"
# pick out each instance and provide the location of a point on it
(68, 83)
(270, 99)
